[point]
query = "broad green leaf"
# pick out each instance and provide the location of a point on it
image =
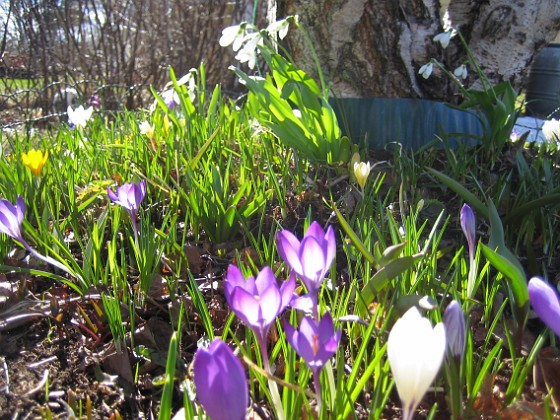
(382, 277)
(516, 278)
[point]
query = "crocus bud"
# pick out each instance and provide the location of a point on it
(455, 329)
(221, 384)
(546, 303)
(415, 351)
(361, 171)
(468, 224)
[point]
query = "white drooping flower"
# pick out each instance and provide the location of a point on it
(461, 72)
(426, 70)
(79, 116)
(444, 38)
(415, 351)
(551, 130)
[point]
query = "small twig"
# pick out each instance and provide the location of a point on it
(40, 385)
(41, 362)
(6, 375)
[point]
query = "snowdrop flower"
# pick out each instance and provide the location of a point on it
(221, 384)
(248, 53)
(551, 130)
(79, 117)
(361, 171)
(461, 72)
(546, 303)
(279, 27)
(426, 70)
(415, 351)
(189, 80)
(444, 38)
(230, 35)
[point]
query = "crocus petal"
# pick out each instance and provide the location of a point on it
(270, 302)
(234, 278)
(415, 353)
(287, 291)
(246, 307)
(305, 303)
(546, 303)
(265, 279)
(315, 343)
(468, 225)
(11, 217)
(313, 263)
(288, 246)
(455, 329)
(221, 384)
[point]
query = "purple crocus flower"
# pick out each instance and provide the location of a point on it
(221, 384)
(546, 303)
(129, 196)
(258, 301)
(11, 218)
(316, 343)
(468, 224)
(455, 329)
(310, 259)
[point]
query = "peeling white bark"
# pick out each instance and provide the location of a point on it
(375, 48)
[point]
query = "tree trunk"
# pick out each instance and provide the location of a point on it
(370, 48)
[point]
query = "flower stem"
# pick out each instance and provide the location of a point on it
(317, 383)
(272, 385)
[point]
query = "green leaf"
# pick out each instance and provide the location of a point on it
(517, 280)
(382, 277)
(469, 197)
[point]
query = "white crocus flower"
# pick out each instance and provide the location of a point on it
(444, 38)
(147, 129)
(415, 351)
(551, 130)
(461, 71)
(426, 70)
(79, 116)
(361, 171)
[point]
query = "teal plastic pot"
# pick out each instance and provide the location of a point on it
(414, 123)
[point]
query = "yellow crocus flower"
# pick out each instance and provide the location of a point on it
(361, 171)
(35, 160)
